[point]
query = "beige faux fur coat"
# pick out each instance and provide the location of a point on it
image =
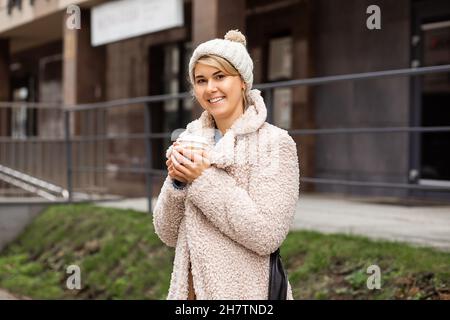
(228, 220)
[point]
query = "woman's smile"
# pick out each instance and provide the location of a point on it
(216, 100)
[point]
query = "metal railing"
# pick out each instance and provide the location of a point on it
(73, 170)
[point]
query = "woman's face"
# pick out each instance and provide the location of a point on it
(218, 93)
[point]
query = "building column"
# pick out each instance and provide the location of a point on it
(303, 108)
(212, 19)
(83, 66)
(84, 82)
(5, 86)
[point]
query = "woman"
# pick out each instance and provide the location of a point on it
(227, 209)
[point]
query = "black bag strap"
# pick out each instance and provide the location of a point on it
(277, 278)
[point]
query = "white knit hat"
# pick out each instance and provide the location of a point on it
(233, 49)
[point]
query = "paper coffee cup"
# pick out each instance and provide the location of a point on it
(193, 142)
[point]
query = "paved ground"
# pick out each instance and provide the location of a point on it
(419, 224)
(5, 295)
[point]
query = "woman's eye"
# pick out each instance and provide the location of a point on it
(200, 81)
(220, 76)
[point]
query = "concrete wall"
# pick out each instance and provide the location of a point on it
(14, 218)
(343, 45)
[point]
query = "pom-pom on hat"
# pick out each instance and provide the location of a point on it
(232, 48)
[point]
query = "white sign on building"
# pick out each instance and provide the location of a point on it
(124, 19)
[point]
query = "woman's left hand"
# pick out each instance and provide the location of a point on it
(190, 163)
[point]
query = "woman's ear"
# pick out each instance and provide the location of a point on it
(243, 85)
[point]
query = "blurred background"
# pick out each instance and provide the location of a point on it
(87, 114)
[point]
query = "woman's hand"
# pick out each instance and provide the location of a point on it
(189, 164)
(173, 172)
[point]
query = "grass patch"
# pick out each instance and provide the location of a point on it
(335, 267)
(121, 257)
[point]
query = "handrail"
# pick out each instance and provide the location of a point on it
(263, 86)
(68, 138)
(34, 183)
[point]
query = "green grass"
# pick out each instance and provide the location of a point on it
(335, 267)
(120, 257)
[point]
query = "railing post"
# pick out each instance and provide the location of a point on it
(68, 153)
(148, 151)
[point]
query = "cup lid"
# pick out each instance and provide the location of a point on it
(193, 139)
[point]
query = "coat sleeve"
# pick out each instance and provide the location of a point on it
(168, 212)
(259, 219)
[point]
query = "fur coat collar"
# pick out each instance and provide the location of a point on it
(221, 154)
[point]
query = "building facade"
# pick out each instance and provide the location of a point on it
(43, 60)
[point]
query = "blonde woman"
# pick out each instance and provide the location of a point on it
(227, 209)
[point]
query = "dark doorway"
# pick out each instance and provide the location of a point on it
(435, 151)
(430, 155)
(168, 74)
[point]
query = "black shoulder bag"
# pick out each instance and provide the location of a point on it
(278, 278)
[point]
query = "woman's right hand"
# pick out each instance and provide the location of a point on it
(173, 172)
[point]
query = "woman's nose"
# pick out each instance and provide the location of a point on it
(211, 86)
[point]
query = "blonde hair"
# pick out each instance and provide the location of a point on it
(223, 65)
